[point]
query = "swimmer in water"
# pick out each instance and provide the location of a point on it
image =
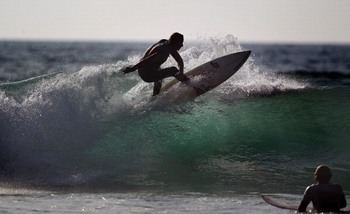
(325, 197)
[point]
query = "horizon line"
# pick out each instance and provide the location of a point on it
(93, 40)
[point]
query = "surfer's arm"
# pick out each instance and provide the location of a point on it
(178, 59)
(306, 200)
(342, 199)
(303, 206)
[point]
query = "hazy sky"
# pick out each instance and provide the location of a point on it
(248, 20)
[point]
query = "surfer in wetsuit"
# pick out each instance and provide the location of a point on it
(325, 197)
(149, 66)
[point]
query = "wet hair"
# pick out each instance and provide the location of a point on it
(176, 36)
(323, 174)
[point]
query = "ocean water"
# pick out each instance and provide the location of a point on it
(77, 136)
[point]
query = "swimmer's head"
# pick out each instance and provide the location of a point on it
(323, 174)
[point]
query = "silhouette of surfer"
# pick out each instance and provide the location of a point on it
(149, 66)
(325, 197)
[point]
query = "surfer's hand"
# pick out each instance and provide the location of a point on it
(127, 70)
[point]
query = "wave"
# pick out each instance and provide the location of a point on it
(72, 128)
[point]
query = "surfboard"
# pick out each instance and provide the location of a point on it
(279, 205)
(207, 76)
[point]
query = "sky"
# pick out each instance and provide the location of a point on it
(293, 21)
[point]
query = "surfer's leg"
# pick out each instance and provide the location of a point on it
(157, 86)
(156, 76)
(172, 71)
(149, 75)
(166, 72)
(153, 75)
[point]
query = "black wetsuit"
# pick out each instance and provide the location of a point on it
(154, 73)
(325, 197)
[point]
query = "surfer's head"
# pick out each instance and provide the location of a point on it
(323, 174)
(176, 40)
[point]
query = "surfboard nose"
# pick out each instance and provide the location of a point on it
(247, 52)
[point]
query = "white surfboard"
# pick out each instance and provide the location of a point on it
(279, 205)
(206, 76)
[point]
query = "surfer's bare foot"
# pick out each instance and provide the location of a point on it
(181, 77)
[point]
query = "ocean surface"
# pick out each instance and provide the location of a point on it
(78, 136)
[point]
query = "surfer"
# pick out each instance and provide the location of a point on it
(149, 66)
(325, 197)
